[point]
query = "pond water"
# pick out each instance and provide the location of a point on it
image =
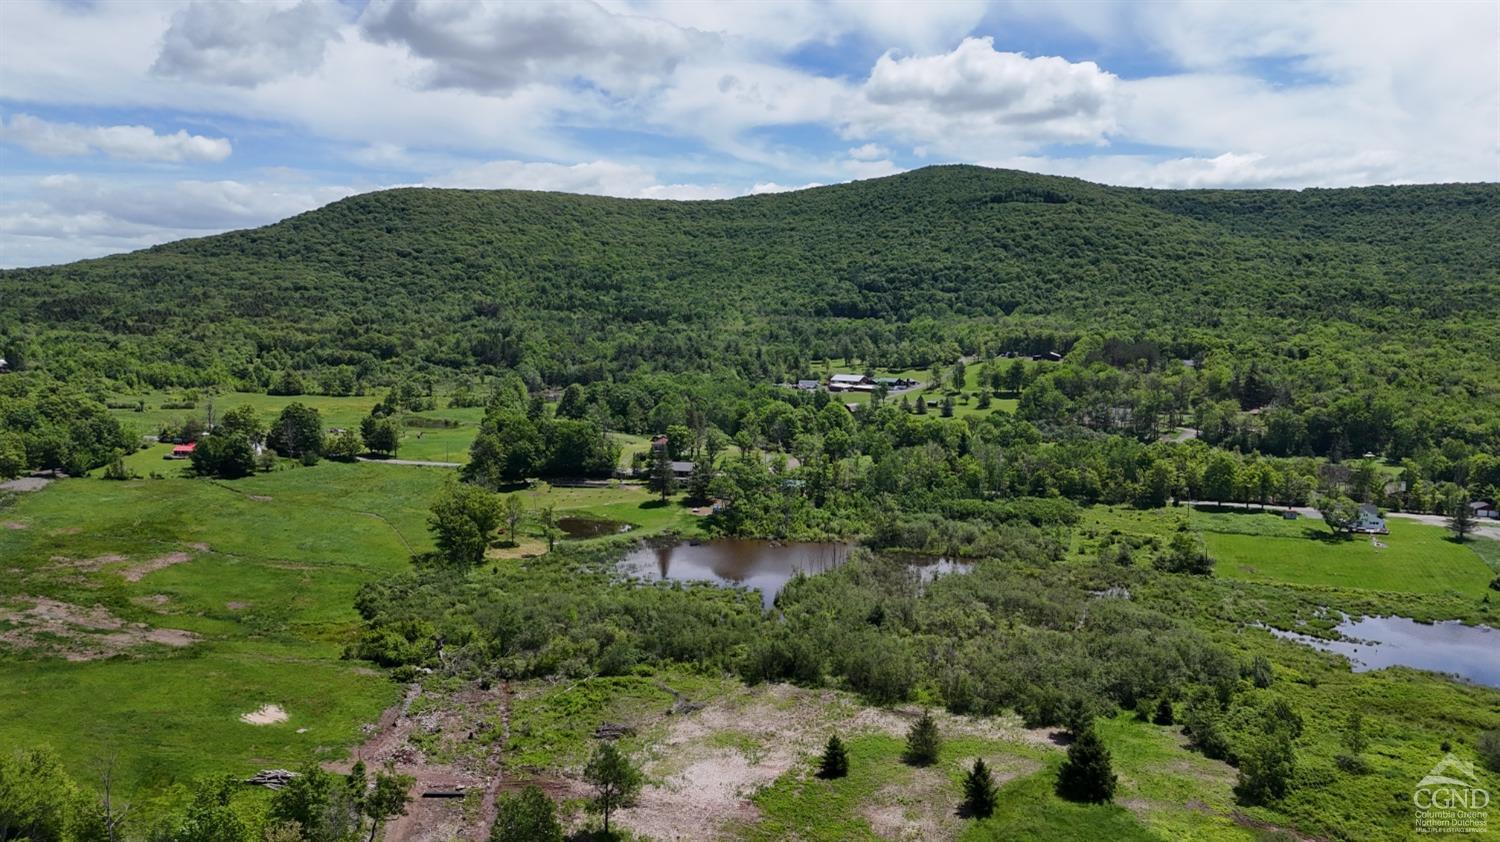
(578, 528)
(1469, 652)
(764, 565)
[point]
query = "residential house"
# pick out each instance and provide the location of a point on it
(682, 470)
(1369, 521)
(807, 385)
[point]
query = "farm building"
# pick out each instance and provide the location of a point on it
(851, 383)
(1369, 521)
(1484, 508)
(682, 470)
(183, 451)
(807, 385)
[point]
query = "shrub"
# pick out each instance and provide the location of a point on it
(526, 816)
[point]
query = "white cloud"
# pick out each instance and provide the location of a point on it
(976, 96)
(245, 43)
(1228, 170)
(67, 216)
(868, 152)
(600, 178)
(497, 47)
(125, 143)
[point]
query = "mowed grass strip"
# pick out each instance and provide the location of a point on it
(1413, 558)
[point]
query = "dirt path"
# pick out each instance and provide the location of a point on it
(449, 727)
(419, 463)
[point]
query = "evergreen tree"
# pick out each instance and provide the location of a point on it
(835, 762)
(923, 741)
(663, 481)
(920, 405)
(615, 780)
(947, 406)
(1086, 774)
(1461, 517)
(1164, 714)
(979, 791)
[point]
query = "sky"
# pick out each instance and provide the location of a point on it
(125, 124)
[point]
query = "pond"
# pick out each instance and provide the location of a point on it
(1470, 652)
(579, 528)
(763, 565)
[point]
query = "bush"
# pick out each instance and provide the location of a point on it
(1266, 769)
(526, 816)
(1489, 749)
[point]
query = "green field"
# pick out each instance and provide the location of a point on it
(1413, 558)
(267, 570)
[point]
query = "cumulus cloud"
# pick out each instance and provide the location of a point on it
(976, 93)
(125, 143)
(599, 178)
(244, 44)
(496, 47)
(67, 216)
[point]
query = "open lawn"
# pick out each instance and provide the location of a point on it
(1413, 558)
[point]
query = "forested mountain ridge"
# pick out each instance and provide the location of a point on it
(905, 271)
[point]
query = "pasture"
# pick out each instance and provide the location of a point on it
(252, 582)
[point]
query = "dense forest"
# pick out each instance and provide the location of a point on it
(1299, 299)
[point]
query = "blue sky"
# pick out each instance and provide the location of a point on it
(124, 124)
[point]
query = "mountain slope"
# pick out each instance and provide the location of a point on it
(574, 286)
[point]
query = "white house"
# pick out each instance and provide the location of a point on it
(1369, 521)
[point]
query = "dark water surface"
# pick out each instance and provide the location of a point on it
(578, 528)
(1469, 652)
(764, 565)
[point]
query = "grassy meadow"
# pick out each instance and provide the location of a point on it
(263, 570)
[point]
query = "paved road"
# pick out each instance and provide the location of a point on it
(1486, 528)
(420, 463)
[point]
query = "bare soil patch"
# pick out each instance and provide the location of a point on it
(25, 484)
(76, 633)
(453, 744)
(264, 715)
(136, 572)
(12, 524)
(708, 766)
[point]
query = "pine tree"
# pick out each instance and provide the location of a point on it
(1461, 522)
(948, 406)
(835, 762)
(663, 481)
(979, 791)
(1164, 713)
(921, 405)
(1086, 774)
(923, 741)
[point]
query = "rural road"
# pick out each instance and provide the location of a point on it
(420, 463)
(1486, 529)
